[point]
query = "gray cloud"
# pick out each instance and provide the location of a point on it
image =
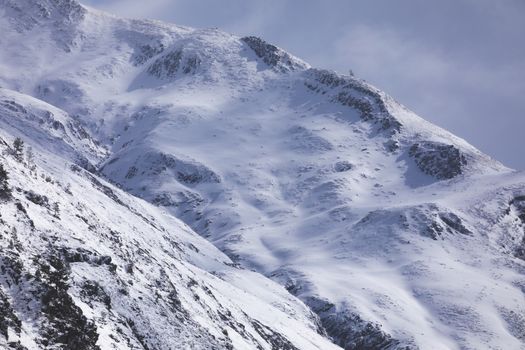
(458, 63)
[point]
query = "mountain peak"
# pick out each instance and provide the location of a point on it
(59, 17)
(382, 227)
(29, 13)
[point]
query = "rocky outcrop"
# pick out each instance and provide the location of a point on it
(147, 50)
(350, 331)
(346, 328)
(343, 166)
(438, 159)
(273, 56)
(355, 94)
(435, 222)
(174, 63)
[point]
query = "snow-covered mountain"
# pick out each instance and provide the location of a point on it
(383, 230)
(86, 266)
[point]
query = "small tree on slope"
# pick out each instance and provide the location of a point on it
(5, 191)
(18, 146)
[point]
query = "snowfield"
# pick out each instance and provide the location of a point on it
(344, 219)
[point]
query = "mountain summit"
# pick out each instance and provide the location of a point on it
(191, 189)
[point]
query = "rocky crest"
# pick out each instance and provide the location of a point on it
(355, 94)
(273, 56)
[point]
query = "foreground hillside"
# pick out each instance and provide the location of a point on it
(394, 232)
(84, 265)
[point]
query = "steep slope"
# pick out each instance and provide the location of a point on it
(85, 266)
(50, 128)
(395, 232)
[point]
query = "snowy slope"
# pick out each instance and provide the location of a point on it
(86, 265)
(394, 231)
(49, 128)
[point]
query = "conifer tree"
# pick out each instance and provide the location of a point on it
(18, 146)
(5, 191)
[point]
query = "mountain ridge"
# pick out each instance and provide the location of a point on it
(319, 181)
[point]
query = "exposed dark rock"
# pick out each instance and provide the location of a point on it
(433, 221)
(433, 230)
(16, 346)
(353, 93)
(79, 131)
(23, 210)
(38, 199)
(85, 256)
(271, 54)
(58, 126)
(392, 145)
(164, 199)
(13, 106)
(93, 291)
(147, 51)
(85, 164)
(276, 340)
(343, 166)
(454, 222)
(174, 300)
(191, 178)
(438, 159)
(345, 328)
(350, 331)
(174, 63)
(186, 171)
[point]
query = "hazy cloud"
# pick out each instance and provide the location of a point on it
(476, 99)
(132, 9)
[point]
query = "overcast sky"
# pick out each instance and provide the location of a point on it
(457, 63)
